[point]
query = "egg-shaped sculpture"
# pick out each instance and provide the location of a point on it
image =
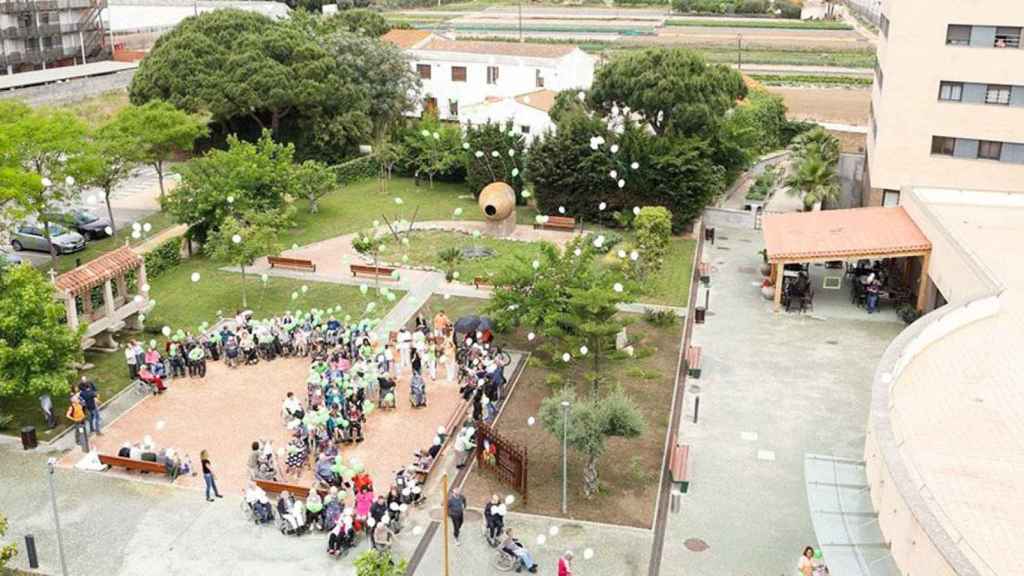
(497, 201)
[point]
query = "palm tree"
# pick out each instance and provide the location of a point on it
(816, 179)
(817, 142)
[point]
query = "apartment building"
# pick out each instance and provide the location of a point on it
(39, 34)
(457, 74)
(947, 107)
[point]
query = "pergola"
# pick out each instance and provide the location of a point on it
(851, 234)
(75, 289)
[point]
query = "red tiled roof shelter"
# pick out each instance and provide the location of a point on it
(96, 272)
(850, 234)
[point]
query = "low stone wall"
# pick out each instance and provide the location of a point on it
(71, 90)
(714, 217)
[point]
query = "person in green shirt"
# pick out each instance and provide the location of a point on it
(197, 362)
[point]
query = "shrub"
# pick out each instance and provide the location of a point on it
(162, 258)
(555, 381)
(752, 7)
(363, 244)
(659, 318)
(653, 232)
(611, 240)
(361, 168)
(486, 168)
(788, 9)
(6, 420)
(764, 184)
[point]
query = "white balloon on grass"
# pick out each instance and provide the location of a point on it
(584, 350)
(136, 226)
(526, 194)
(147, 227)
(237, 239)
(634, 255)
(398, 200)
(614, 148)
(195, 276)
(561, 209)
(613, 174)
(577, 252)
(295, 295)
(566, 357)
(478, 154)
(465, 145)
(136, 234)
(264, 278)
(515, 172)
(436, 136)
(231, 199)
(166, 330)
(457, 212)
(536, 264)
(621, 253)
(304, 288)
(617, 287)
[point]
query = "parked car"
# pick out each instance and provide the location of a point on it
(86, 223)
(30, 237)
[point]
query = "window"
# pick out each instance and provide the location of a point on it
(890, 197)
(424, 71)
(492, 74)
(951, 91)
(48, 42)
(540, 80)
(958, 35)
(458, 73)
(883, 24)
(1007, 37)
(943, 146)
(989, 150)
(524, 128)
(997, 94)
(453, 107)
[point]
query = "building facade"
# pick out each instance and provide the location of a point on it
(456, 74)
(947, 105)
(39, 34)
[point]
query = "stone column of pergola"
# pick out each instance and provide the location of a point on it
(119, 311)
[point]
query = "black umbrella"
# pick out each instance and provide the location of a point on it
(473, 324)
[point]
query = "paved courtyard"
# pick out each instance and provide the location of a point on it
(774, 388)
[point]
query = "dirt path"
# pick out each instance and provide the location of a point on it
(838, 105)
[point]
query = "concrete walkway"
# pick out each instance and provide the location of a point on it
(774, 387)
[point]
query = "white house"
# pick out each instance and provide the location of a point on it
(527, 112)
(457, 74)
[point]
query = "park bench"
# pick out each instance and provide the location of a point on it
(558, 223)
(132, 464)
(693, 361)
(704, 271)
(293, 263)
(482, 281)
(367, 270)
(273, 487)
(678, 462)
(450, 429)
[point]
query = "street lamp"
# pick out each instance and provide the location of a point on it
(739, 51)
(56, 517)
(565, 465)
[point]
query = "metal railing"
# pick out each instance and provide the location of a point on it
(9, 7)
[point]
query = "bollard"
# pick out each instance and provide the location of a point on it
(30, 549)
(698, 314)
(696, 408)
(676, 502)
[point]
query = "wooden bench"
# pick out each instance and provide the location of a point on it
(272, 487)
(558, 223)
(367, 270)
(704, 271)
(482, 281)
(132, 464)
(293, 263)
(693, 361)
(678, 461)
(450, 429)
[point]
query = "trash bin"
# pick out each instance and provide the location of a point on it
(698, 314)
(676, 502)
(28, 438)
(709, 235)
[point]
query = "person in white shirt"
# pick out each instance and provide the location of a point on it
(404, 349)
(290, 407)
(132, 360)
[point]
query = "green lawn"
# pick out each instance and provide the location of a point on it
(423, 249)
(671, 285)
(762, 23)
(810, 57)
(812, 80)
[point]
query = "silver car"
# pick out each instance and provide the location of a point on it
(30, 237)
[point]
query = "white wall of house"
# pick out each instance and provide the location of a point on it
(527, 120)
(515, 75)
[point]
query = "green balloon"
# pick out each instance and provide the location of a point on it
(389, 397)
(817, 553)
(358, 468)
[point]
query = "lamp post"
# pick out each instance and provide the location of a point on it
(739, 51)
(56, 517)
(565, 461)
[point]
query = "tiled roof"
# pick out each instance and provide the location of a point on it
(98, 271)
(542, 99)
(528, 50)
(842, 234)
(406, 39)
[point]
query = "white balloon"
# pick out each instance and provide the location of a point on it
(511, 153)
(465, 145)
(237, 239)
(147, 227)
(541, 539)
(622, 183)
(527, 194)
(295, 295)
(531, 421)
(145, 288)
(510, 500)
(136, 234)
(536, 264)
(515, 172)
(109, 231)
(602, 205)
(617, 287)
(613, 174)
(195, 276)
(398, 200)
(458, 211)
(478, 154)
(636, 210)
(264, 278)
(615, 148)
(588, 553)
(566, 357)
(136, 226)
(622, 254)
(634, 255)
(553, 531)
(577, 252)
(584, 350)
(231, 199)
(166, 330)
(494, 154)
(305, 288)
(634, 166)
(531, 336)
(561, 209)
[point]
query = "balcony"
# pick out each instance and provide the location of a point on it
(45, 30)
(13, 7)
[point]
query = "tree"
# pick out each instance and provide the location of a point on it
(365, 22)
(7, 551)
(113, 154)
(653, 227)
(433, 148)
(37, 350)
(161, 131)
(259, 177)
(314, 180)
(757, 125)
(591, 423)
(817, 142)
(483, 166)
(816, 179)
(376, 563)
(50, 144)
(675, 90)
(240, 240)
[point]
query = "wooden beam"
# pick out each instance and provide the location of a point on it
(778, 288)
(922, 283)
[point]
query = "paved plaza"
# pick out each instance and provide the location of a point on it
(774, 388)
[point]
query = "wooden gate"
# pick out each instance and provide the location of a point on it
(503, 457)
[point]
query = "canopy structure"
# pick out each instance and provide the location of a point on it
(109, 271)
(849, 234)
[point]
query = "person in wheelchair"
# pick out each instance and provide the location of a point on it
(258, 502)
(382, 534)
(342, 536)
(293, 514)
(514, 548)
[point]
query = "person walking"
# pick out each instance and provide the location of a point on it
(456, 511)
(211, 483)
(565, 564)
(76, 414)
(131, 359)
(89, 397)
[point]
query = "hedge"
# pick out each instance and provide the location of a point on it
(355, 170)
(162, 258)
